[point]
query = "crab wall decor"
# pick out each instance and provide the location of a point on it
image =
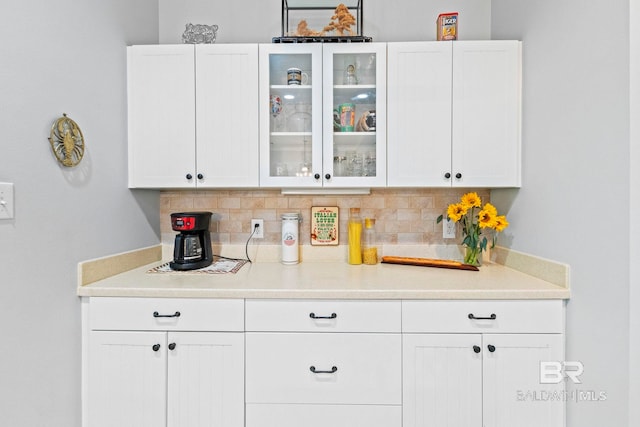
(67, 141)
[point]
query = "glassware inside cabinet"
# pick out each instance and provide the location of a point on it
(354, 114)
(290, 107)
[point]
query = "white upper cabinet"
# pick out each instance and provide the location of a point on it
(304, 140)
(227, 115)
(354, 77)
(454, 115)
(193, 116)
(290, 116)
(161, 82)
(419, 93)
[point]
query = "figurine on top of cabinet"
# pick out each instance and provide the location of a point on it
(341, 23)
(303, 30)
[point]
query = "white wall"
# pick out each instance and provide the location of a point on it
(62, 57)
(255, 21)
(574, 201)
(634, 197)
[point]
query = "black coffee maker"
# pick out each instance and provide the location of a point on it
(192, 248)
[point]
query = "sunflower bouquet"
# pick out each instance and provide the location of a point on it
(475, 219)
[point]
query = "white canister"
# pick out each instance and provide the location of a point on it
(290, 244)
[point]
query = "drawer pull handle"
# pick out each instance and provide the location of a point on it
(491, 348)
(492, 317)
(155, 347)
(477, 349)
(313, 316)
(176, 314)
(172, 346)
(315, 371)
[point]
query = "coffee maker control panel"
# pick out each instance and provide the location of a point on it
(183, 223)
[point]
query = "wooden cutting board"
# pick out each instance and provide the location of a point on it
(428, 262)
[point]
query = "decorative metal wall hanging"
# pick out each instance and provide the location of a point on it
(67, 142)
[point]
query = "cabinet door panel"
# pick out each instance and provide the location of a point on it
(161, 102)
(290, 152)
(486, 113)
(363, 152)
(127, 379)
(485, 316)
(206, 379)
(367, 368)
(512, 390)
(195, 314)
(271, 415)
(442, 380)
(227, 115)
(322, 316)
(419, 126)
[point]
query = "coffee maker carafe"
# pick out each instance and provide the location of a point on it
(192, 247)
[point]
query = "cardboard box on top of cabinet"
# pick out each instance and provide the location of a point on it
(447, 26)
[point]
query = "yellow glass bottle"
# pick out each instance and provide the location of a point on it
(369, 247)
(355, 235)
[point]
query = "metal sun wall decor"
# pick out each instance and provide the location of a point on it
(67, 141)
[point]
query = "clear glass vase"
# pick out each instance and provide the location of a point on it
(473, 255)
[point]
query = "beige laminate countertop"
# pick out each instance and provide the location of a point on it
(330, 280)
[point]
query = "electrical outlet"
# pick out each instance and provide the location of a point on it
(448, 229)
(259, 231)
(6, 200)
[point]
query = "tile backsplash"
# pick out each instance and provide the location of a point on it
(403, 216)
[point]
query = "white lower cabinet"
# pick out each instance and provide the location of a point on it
(342, 363)
(323, 368)
(323, 364)
(178, 378)
(476, 377)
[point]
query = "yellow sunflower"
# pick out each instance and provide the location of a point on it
(471, 200)
(501, 223)
(487, 218)
(456, 211)
(491, 209)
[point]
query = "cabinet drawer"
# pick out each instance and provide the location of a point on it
(270, 415)
(534, 316)
(153, 314)
(349, 368)
(323, 316)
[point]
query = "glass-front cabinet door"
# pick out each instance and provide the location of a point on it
(323, 115)
(354, 114)
(291, 115)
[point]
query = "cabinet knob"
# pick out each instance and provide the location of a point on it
(316, 176)
(189, 176)
(447, 175)
(172, 346)
(491, 348)
(476, 349)
(156, 347)
(200, 176)
(458, 175)
(327, 176)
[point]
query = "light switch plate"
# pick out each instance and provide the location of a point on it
(6, 200)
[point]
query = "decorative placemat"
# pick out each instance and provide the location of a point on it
(222, 266)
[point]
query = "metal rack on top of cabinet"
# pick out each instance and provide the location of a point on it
(335, 39)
